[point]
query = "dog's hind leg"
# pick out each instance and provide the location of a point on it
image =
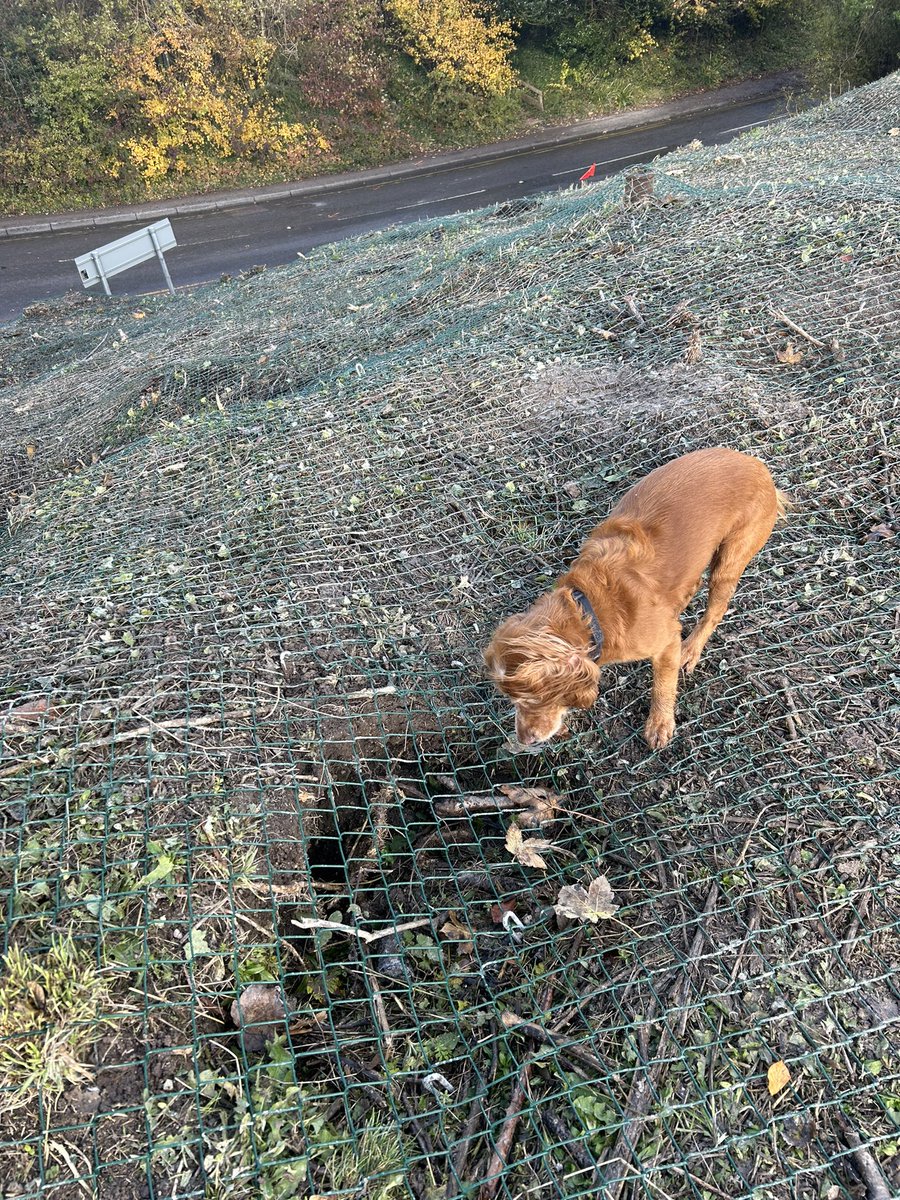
(727, 567)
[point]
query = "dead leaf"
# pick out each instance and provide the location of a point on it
(526, 852)
(38, 995)
(541, 803)
(594, 903)
(27, 714)
(694, 351)
(790, 355)
(895, 132)
(509, 1020)
(779, 1076)
(499, 911)
(879, 533)
(138, 315)
(29, 450)
(455, 931)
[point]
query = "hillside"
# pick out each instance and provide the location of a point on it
(255, 539)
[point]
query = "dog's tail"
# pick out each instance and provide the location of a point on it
(783, 505)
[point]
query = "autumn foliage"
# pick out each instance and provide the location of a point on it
(459, 41)
(111, 100)
(193, 86)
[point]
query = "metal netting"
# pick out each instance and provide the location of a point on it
(257, 537)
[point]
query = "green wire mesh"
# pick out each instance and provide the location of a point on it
(256, 539)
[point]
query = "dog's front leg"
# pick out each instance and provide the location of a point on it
(661, 722)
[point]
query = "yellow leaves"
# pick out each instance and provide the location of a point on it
(458, 41)
(198, 84)
(641, 43)
(778, 1077)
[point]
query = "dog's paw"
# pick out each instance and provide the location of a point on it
(690, 656)
(659, 730)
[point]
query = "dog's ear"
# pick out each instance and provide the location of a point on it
(494, 663)
(581, 677)
(505, 651)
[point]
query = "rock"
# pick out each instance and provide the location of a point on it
(259, 1013)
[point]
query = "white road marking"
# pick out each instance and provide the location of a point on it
(607, 161)
(440, 200)
(751, 124)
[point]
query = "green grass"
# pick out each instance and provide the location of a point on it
(591, 86)
(49, 1006)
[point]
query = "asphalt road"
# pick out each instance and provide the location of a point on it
(40, 266)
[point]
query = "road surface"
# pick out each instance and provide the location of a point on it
(39, 266)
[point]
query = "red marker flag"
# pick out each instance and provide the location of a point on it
(589, 173)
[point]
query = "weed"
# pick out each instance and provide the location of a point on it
(49, 1019)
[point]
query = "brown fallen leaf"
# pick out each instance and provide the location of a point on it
(526, 851)
(778, 1076)
(38, 995)
(28, 713)
(879, 533)
(455, 931)
(499, 911)
(541, 803)
(594, 903)
(790, 355)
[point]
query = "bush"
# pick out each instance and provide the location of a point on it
(460, 43)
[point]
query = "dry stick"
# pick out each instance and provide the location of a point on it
(570, 1050)
(464, 1143)
(791, 719)
(643, 1088)
(632, 307)
(866, 1166)
(131, 735)
(378, 1004)
(374, 1080)
(753, 919)
(704, 1183)
(364, 934)
(269, 934)
(479, 802)
(557, 1128)
(498, 1161)
(371, 693)
(794, 327)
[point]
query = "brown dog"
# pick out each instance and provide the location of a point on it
(622, 597)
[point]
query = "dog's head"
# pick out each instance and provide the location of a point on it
(542, 673)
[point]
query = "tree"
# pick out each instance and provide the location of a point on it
(193, 82)
(460, 42)
(335, 50)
